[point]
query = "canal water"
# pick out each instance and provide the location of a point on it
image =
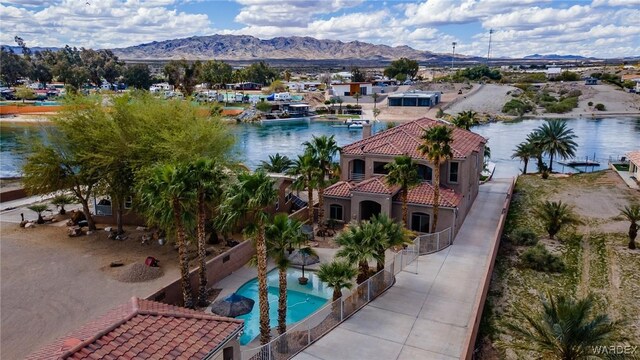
(603, 138)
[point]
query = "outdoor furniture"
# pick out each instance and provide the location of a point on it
(232, 306)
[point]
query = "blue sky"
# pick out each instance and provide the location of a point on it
(601, 28)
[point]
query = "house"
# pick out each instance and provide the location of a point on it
(144, 329)
(349, 89)
(634, 164)
(414, 98)
(553, 72)
(363, 191)
(160, 87)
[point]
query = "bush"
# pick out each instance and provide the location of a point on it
(600, 107)
(263, 106)
(574, 93)
(516, 107)
(590, 103)
(327, 102)
(523, 236)
(540, 259)
(562, 106)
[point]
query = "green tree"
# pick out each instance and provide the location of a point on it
(564, 329)
(286, 75)
(436, 146)
(359, 245)
(277, 86)
(100, 64)
(137, 76)
(403, 172)
(217, 73)
(277, 164)
(357, 96)
(168, 200)
(307, 173)
(466, 119)
(247, 199)
(60, 201)
(391, 235)
(555, 215)
(357, 75)
(323, 149)
(264, 106)
(339, 101)
(12, 67)
(524, 151)
(24, 93)
(404, 66)
(337, 275)
(282, 234)
(557, 140)
(260, 73)
(39, 209)
(183, 75)
(632, 214)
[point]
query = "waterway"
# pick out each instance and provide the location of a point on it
(603, 138)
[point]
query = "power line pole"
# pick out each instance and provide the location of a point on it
(489, 51)
(454, 53)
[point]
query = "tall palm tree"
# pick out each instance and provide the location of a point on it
(323, 149)
(554, 215)
(358, 246)
(534, 139)
(557, 140)
(437, 147)
(404, 173)
(277, 164)
(337, 275)
(524, 151)
(632, 213)
(357, 96)
(247, 200)
(280, 235)
(465, 119)
(391, 235)
(167, 199)
(565, 329)
(208, 178)
(306, 170)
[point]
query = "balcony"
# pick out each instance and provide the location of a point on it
(357, 177)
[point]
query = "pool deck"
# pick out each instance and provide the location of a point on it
(426, 314)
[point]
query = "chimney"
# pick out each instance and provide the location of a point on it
(366, 130)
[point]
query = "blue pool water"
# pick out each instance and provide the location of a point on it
(302, 301)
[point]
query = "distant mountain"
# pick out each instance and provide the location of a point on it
(555, 57)
(18, 49)
(244, 47)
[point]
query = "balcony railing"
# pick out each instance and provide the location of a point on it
(356, 177)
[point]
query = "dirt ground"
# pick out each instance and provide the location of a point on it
(50, 281)
(596, 257)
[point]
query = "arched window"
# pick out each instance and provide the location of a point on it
(420, 222)
(335, 212)
(425, 172)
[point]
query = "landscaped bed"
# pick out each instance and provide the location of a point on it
(594, 255)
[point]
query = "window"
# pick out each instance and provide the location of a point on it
(420, 222)
(425, 173)
(335, 212)
(227, 353)
(378, 168)
(128, 202)
(453, 172)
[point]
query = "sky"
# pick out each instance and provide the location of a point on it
(599, 28)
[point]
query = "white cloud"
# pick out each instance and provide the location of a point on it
(287, 12)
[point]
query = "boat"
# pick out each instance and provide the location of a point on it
(355, 124)
(297, 112)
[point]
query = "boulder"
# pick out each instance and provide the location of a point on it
(141, 228)
(107, 229)
(29, 225)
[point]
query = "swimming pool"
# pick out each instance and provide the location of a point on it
(302, 300)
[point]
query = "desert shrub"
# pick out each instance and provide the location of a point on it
(263, 106)
(327, 102)
(534, 78)
(546, 97)
(523, 87)
(562, 106)
(590, 103)
(574, 93)
(540, 259)
(600, 107)
(523, 236)
(516, 107)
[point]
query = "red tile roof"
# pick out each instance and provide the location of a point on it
(375, 185)
(339, 189)
(144, 329)
(634, 156)
(423, 194)
(405, 139)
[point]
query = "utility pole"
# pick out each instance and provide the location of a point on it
(454, 53)
(489, 52)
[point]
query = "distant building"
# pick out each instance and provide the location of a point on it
(244, 86)
(634, 164)
(415, 98)
(553, 72)
(591, 81)
(349, 89)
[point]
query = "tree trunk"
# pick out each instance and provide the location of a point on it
(405, 210)
(62, 210)
(363, 272)
(380, 263)
(119, 211)
(436, 196)
(87, 214)
(526, 162)
(263, 300)
(321, 207)
(550, 162)
(182, 256)
(633, 232)
(40, 219)
(310, 203)
(202, 253)
(282, 300)
(337, 293)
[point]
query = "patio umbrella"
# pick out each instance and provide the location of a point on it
(233, 305)
(308, 231)
(302, 258)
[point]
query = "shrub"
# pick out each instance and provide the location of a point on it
(523, 236)
(540, 259)
(516, 107)
(574, 93)
(600, 107)
(327, 102)
(263, 106)
(562, 106)
(590, 103)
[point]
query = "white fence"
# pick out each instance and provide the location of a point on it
(430, 243)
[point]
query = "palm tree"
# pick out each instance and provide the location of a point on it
(465, 119)
(557, 140)
(323, 149)
(208, 178)
(60, 201)
(437, 147)
(524, 151)
(392, 235)
(306, 170)
(39, 209)
(277, 164)
(281, 235)
(375, 97)
(555, 215)
(166, 199)
(247, 200)
(565, 329)
(357, 96)
(337, 275)
(339, 101)
(358, 246)
(632, 213)
(404, 173)
(534, 139)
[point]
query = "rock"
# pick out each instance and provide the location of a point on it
(29, 225)
(107, 229)
(141, 228)
(121, 237)
(116, 263)
(23, 223)
(89, 232)
(75, 231)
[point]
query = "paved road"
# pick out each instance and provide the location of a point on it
(424, 315)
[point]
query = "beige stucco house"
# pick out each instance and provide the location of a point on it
(634, 164)
(363, 191)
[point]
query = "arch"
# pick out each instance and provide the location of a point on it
(368, 209)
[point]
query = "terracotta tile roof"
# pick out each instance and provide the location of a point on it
(423, 194)
(405, 139)
(144, 329)
(634, 156)
(339, 189)
(376, 185)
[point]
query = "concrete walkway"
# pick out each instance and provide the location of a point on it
(424, 315)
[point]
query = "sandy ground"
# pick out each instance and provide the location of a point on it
(52, 284)
(488, 100)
